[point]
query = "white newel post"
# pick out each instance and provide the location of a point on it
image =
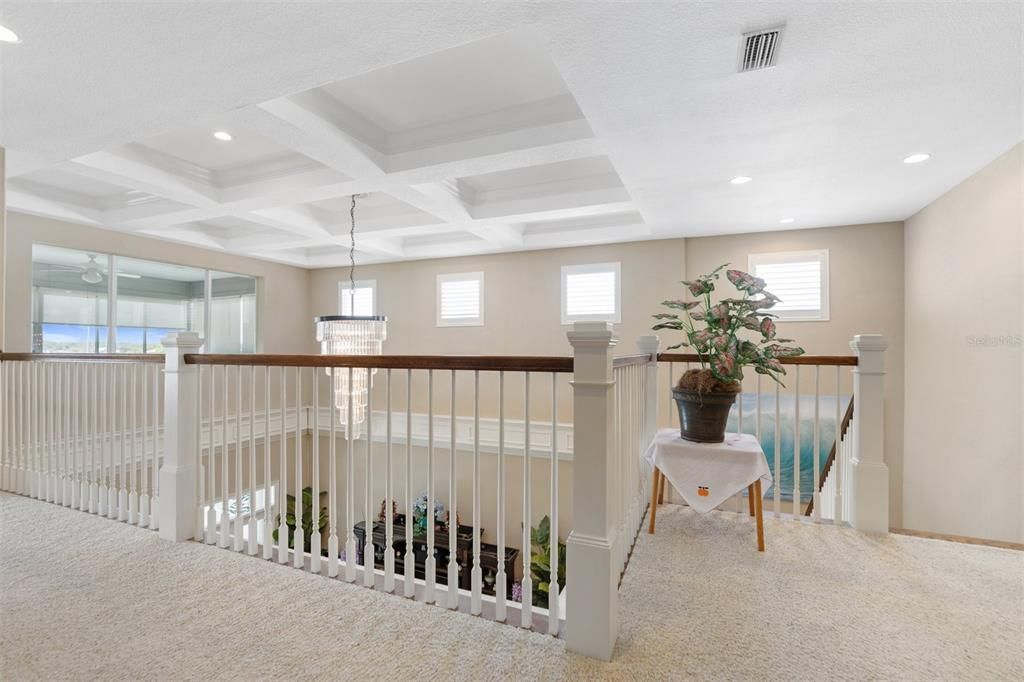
(649, 346)
(869, 479)
(178, 472)
(592, 578)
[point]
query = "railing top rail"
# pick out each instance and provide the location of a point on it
(484, 363)
(78, 357)
(627, 360)
(824, 360)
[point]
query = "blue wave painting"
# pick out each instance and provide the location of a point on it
(787, 441)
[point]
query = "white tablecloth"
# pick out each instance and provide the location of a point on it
(707, 474)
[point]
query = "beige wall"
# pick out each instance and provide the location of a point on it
(522, 306)
(865, 297)
(964, 447)
(286, 327)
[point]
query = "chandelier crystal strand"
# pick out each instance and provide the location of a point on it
(352, 335)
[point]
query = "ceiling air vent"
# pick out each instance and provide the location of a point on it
(759, 49)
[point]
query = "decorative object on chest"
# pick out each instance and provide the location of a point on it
(463, 553)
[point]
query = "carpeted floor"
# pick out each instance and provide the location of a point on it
(87, 598)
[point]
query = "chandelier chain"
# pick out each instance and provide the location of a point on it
(352, 258)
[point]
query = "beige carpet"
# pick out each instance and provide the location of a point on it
(88, 598)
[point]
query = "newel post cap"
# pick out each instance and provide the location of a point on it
(599, 334)
(184, 340)
(870, 350)
(648, 344)
(868, 342)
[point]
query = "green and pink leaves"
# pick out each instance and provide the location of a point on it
(717, 342)
(745, 282)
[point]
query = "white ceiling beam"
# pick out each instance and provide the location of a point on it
(294, 219)
(391, 247)
(29, 200)
(498, 234)
(128, 167)
(425, 168)
(300, 123)
(189, 235)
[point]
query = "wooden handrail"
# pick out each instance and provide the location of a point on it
(823, 360)
(844, 425)
(627, 360)
(483, 363)
(91, 357)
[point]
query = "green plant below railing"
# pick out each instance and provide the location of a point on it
(540, 562)
(307, 519)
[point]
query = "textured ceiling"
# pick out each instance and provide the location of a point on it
(482, 127)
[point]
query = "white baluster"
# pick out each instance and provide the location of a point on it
(350, 548)
(453, 497)
(389, 521)
(237, 532)
(97, 452)
(282, 454)
(431, 562)
(200, 530)
(252, 544)
(671, 385)
(122, 449)
(553, 593)
(501, 579)
(314, 540)
(112, 492)
(268, 493)
(51, 434)
(476, 576)
(796, 446)
(299, 544)
(816, 495)
(778, 454)
(527, 583)
(409, 563)
(79, 491)
(350, 474)
(143, 502)
(332, 515)
(369, 553)
(225, 523)
(211, 511)
(154, 469)
(106, 391)
(837, 505)
(135, 499)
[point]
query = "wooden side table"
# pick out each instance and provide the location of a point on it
(707, 474)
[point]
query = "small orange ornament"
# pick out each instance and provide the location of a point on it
(703, 491)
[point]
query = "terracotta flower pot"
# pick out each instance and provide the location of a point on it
(703, 414)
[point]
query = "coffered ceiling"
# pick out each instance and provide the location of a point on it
(481, 127)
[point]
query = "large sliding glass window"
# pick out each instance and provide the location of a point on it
(73, 296)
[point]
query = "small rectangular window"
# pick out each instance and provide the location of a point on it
(365, 298)
(799, 279)
(591, 293)
(460, 300)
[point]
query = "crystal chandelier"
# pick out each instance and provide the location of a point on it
(352, 335)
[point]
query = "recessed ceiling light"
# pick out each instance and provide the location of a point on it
(787, 221)
(917, 158)
(8, 36)
(223, 136)
(740, 180)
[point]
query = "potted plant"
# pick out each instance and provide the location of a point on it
(715, 331)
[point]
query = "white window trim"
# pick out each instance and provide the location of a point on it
(822, 255)
(343, 287)
(111, 326)
(589, 268)
(462, 321)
